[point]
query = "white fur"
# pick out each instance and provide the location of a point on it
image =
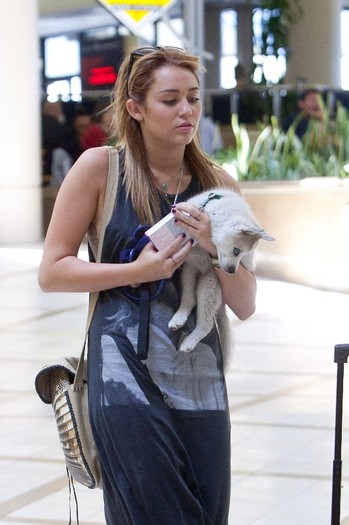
(233, 227)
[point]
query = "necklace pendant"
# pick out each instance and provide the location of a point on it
(164, 187)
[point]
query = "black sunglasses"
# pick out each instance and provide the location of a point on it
(142, 51)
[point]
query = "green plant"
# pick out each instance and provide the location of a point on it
(278, 16)
(323, 150)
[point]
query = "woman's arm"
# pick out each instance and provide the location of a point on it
(238, 289)
(78, 209)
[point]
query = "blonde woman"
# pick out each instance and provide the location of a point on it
(160, 417)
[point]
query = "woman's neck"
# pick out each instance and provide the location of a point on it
(169, 178)
(168, 171)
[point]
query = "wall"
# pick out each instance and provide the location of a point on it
(310, 221)
(315, 44)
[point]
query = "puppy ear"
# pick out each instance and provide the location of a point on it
(266, 237)
(258, 232)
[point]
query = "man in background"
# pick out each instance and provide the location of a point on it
(58, 140)
(309, 107)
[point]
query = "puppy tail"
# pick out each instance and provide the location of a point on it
(226, 337)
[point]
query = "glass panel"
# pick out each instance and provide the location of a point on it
(167, 37)
(58, 90)
(229, 46)
(62, 57)
(257, 31)
(271, 66)
(227, 72)
(344, 31)
(345, 71)
(75, 89)
(344, 49)
(228, 24)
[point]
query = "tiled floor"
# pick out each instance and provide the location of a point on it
(282, 395)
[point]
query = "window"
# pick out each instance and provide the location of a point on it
(269, 58)
(344, 49)
(62, 57)
(65, 90)
(229, 52)
(62, 68)
(81, 63)
(170, 33)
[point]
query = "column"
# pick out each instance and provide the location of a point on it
(194, 28)
(213, 46)
(20, 163)
(245, 37)
(315, 44)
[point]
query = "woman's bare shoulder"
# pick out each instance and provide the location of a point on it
(95, 159)
(88, 172)
(228, 181)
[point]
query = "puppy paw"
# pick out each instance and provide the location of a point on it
(177, 321)
(188, 344)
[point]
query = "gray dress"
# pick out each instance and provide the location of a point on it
(161, 424)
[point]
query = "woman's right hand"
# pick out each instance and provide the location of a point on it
(154, 265)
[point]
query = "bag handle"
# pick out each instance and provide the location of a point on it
(109, 203)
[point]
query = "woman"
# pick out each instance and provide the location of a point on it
(98, 131)
(160, 421)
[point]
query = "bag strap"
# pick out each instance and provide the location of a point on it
(109, 204)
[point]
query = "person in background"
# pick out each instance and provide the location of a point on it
(58, 141)
(240, 76)
(81, 121)
(98, 133)
(210, 135)
(160, 417)
(309, 107)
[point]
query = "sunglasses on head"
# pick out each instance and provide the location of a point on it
(142, 51)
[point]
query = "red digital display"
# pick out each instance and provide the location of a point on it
(99, 76)
(100, 62)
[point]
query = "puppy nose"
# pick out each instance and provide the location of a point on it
(231, 269)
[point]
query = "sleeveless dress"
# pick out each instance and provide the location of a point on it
(161, 424)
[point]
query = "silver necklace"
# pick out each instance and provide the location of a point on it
(164, 186)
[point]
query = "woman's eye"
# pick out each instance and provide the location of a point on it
(193, 100)
(171, 102)
(236, 251)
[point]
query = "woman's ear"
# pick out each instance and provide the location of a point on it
(134, 109)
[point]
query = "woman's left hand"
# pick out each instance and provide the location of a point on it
(197, 223)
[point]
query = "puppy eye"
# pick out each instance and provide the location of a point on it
(236, 251)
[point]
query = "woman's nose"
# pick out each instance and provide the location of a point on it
(185, 108)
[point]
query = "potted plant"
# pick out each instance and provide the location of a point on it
(299, 192)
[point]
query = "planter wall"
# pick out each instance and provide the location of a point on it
(310, 221)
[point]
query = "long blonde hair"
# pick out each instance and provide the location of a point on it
(135, 83)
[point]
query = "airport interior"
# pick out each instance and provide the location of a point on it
(289, 419)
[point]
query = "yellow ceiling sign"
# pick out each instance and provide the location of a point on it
(136, 13)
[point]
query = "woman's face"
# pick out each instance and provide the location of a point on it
(172, 108)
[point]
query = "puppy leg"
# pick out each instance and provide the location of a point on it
(209, 298)
(226, 336)
(188, 299)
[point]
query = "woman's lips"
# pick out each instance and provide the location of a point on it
(186, 126)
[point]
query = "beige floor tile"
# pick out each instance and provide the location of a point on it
(281, 389)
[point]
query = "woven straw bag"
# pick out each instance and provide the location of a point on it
(64, 383)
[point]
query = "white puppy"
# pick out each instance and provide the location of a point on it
(235, 234)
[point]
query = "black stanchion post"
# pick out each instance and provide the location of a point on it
(341, 354)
